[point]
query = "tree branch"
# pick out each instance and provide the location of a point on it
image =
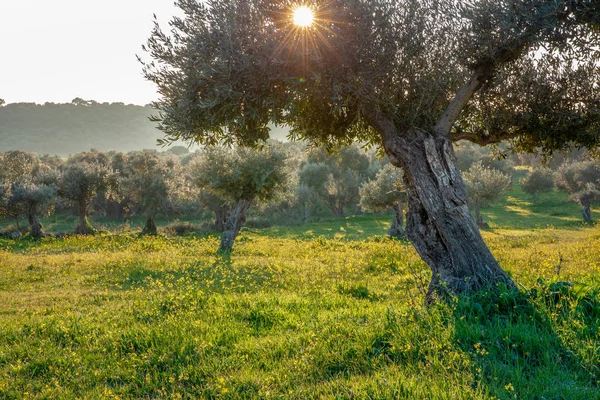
(461, 99)
(484, 139)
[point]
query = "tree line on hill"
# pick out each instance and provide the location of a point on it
(69, 128)
(280, 183)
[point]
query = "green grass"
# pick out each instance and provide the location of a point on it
(326, 310)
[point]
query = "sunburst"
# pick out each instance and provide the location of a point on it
(303, 16)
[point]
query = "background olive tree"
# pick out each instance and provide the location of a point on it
(582, 181)
(85, 175)
(29, 188)
(538, 181)
(239, 176)
(148, 182)
(33, 198)
(485, 186)
(383, 193)
(336, 177)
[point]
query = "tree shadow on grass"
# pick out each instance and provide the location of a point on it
(534, 344)
(538, 344)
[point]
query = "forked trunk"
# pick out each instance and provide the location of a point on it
(586, 212)
(234, 223)
(221, 218)
(36, 226)
(439, 223)
(396, 229)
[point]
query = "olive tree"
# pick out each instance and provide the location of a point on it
(485, 185)
(582, 181)
(148, 181)
(14, 166)
(29, 188)
(537, 181)
(385, 192)
(80, 182)
(411, 76)
(335, 178)
(33, 199)
(239, 176)
(3, 200)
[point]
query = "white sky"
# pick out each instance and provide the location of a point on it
(56, 50)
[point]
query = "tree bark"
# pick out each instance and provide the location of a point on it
(234, 223)
(36, 226)
(150, 227)
(439, 223)
(336, 208)
(586, 212)
(83, 227)
(478, 216)
(221, 218)
(396, 229)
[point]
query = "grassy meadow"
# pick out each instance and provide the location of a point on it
(330, 310)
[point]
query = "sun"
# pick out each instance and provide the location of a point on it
(303, 17)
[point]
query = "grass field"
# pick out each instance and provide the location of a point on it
(324, 310)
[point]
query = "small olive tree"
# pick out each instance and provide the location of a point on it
(485, 186)
(147, 184)
(239, 176)
(582, 181)
(80, 182)
(29, 188)
(336, 178)
(34, 199)
(385, 192)
(536, 182)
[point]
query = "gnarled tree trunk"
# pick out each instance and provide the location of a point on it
(396, 229)
(439, 223)
(36, 226)
(234, 223)
(83, 227)
(221, 218)
(586, 212)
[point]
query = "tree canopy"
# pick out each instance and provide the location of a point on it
(226, 70)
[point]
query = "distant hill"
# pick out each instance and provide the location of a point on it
(70, 128)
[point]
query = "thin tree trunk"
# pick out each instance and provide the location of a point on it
(396, 229)
(36, 226)
(586, 212)
(305, 213)
(439, 223)
(234, 223)
(478, 216)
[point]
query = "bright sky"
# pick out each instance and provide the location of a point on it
(56, 50)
